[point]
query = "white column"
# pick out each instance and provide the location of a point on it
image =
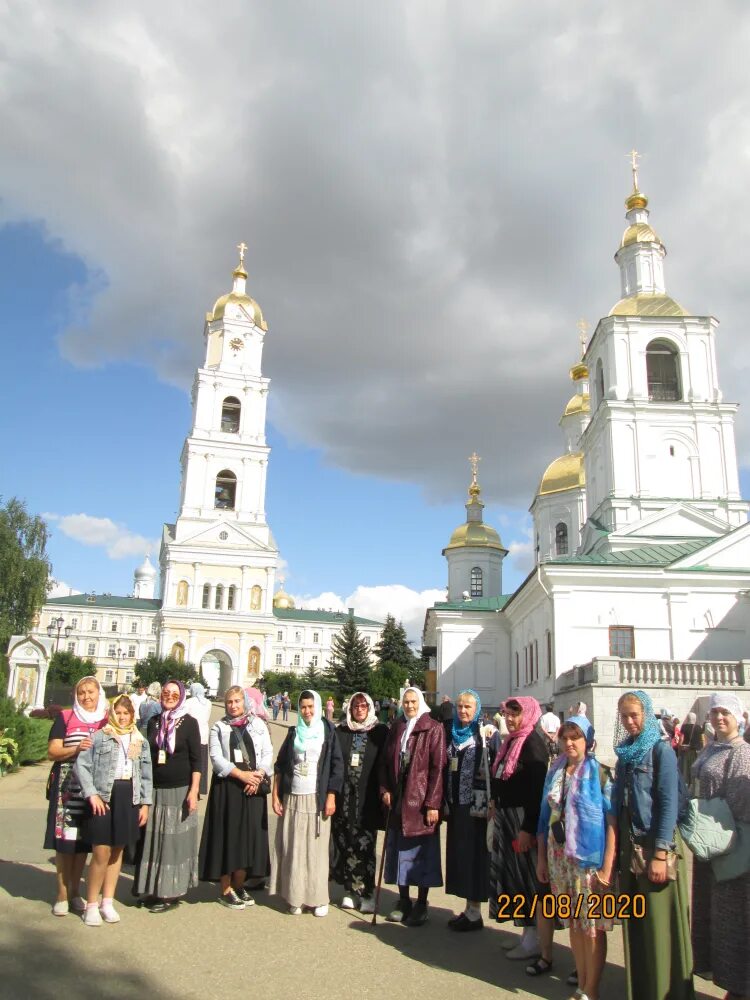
(267, 661)
(244, 603)
(190, 652)
(197, 594)
(244, 650)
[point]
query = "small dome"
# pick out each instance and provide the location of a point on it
(648, 304)
(248, 304)
(639, 232)
(474, 534)
(577, 404)
(145, 571)
(565, 473)
(282, 600)
(636, 199)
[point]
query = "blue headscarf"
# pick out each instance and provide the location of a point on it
(628, 749)
(461, 734)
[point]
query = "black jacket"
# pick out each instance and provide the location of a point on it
(330, 765)
(370, 814)
(525, 786)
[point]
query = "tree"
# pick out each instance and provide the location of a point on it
(24, 568)
(388, 679)
(67, 669)
(163, 669)
(349, 668)
(312, 677)
(393, 646)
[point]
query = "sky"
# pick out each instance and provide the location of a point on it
(431, 196)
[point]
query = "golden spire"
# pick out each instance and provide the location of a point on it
(583, 329)
(635, 199)
(239, 271)
(474, 488)
(634, 157)
(579, 370)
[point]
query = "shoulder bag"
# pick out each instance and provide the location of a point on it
(708, 826)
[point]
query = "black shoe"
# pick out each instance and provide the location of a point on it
(462, 924)
(418, 915)
(163, 905)
(572, 979)
(400, 913)
(232, 900)
(245, 896)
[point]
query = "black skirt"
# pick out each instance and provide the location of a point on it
(118, 827)
(467, 860)
(235, 832)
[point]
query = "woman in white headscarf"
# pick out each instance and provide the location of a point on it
(358, 814)
(411, 786)
(721, 909)
(307, 775)
(199, 707)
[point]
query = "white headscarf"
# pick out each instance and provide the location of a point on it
(422, 709)
(102, 707)
(370, 721)
(729, 702)
(310, 737)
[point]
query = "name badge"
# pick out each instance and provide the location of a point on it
(355, 760)
(407, 758)
(454, 764)
(70, 833)
(303, 770)
(238, 758)
(162, 757)
(127, 770)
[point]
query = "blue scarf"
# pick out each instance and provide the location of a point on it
(630, 750)
(461, 734)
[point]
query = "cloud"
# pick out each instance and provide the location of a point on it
(431, 193)
(101, 532)
(59, 588)
(402, 602)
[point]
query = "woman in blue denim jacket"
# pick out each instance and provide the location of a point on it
(115, 778)
(645, 800)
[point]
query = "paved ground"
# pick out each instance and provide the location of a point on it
(203, 950)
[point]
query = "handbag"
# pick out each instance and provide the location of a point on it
(736, 862)
(480, 797)
(708, 826)
(640, 857)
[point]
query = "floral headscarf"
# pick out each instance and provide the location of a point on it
(370, 721)
(165, 737)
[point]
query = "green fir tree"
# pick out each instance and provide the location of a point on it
(349, 668)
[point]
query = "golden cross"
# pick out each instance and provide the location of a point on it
(281, 581)
(242, 247)
(474, 461)
(582, 331)
(634, 158)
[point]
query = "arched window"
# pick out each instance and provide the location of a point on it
(476, 581)
(219, 600)
(206, 600)
(549, 653)
(226, 490)
(518, 678)
(230, 598)
(599, 381)
(561, 539)
(663, 371)
(230, 415)
(178, 652)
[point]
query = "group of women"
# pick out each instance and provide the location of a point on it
(571, 845)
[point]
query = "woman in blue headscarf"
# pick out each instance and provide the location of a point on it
(466, 786)
(646, 802)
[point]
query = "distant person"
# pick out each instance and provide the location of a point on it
(445, 710)
(199, 707)
(330, 708)
(150, 707)
(690, 745)
(275, 705)
(550, 724)
(137, 698)
(286, 704)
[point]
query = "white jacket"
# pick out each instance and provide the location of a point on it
(218, 746)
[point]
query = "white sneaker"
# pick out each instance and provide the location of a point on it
(321, 911)
(347, 903)
(109, 914)
(92, 917)
(530, 950)
(61, 908)
(367, 905)
(294, 911)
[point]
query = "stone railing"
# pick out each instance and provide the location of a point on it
(614, 672)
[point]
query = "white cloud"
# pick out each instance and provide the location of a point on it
(101, 532)
(59, 588)
(402, 602)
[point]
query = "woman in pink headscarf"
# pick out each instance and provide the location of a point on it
(257, 707)
(518, 774)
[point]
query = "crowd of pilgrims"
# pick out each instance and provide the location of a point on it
(523, 825)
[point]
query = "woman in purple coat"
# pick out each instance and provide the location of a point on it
(411, 786)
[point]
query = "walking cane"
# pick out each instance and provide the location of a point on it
(382, 866)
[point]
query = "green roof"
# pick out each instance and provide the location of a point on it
(475, 604)
(659, 554)
(326, 617)
(107, 601)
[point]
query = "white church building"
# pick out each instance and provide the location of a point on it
(218, 604)
(642, 568)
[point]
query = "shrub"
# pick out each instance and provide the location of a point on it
(31, 735)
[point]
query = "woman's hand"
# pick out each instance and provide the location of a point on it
(431, 817)
(84, 745)
(525, 841)
(143, 816)
(330, 806)
(386, 799)
(657, 870)
(98, 806)
(276, 805)
(603, 881)
(191, 801)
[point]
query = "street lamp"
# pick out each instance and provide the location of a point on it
(118, 655)
(56, 625)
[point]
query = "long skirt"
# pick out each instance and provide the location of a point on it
(235, 832)
(66, 813)
(512, 873)
(721, 929)
(467, 860)
(353, 856)
(658, 955)
(118, 827)
(168, 866)
(413, 860)
(299, 872)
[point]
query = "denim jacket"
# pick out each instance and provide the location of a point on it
(218, 747)
(652, 787)
(95, 769)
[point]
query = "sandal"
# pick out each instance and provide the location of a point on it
(539, 967)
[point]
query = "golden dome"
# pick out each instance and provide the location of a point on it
(474, 534)
(283, 600)
(648, 304)
(565, 473)
(636, 199)
(249, 305)
(577, 404)
(639, 232)
(579, 371)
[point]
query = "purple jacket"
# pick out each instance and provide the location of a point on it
(424, 780)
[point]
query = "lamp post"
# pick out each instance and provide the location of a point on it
(118, 656)
(56, 626)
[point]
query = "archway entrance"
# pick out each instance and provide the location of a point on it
(216, 668)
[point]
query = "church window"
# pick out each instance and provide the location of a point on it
(112, 651)
(219, 600)
(223, 535)
(671, 451)
(297, 660)
(109, 676)
(599, 381)
(536, 660)
(549, 653)
(134, 627)
(153, 628)
(366, 640)
(74, 623)
(230, 415)
(278, 659)
(526, 664)
(662, 371)
(226, 490)
(91, 649)
(298, 637)
(131, 651)
(230, 598)
(279, 636)
(561, 539)
(313, 661)
(113, 627)
(71, 647)
(94, 624)
(622, 641)
(178, 652)
(206, 595)
(316, 636)
(518, 678)
(476, 581)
